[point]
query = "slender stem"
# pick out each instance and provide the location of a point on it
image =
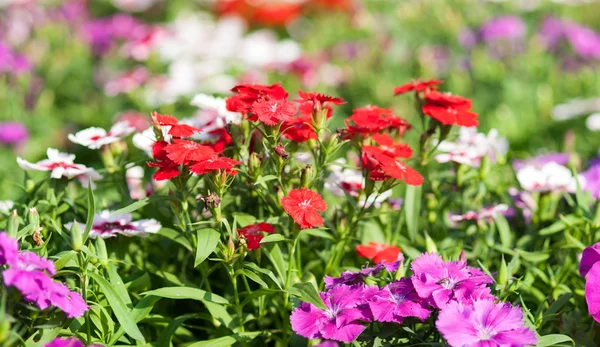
(236, 295)
(83, 280)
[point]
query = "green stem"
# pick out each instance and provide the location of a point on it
(83, 280)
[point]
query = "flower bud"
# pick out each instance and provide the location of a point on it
(254, 164)
(76, 236)
(34, 217)
(306, 176)
(281, 152)
(484, 168)
(29, 186)
(13, 224)
(430, 246)
(502, 272)
(101, 251)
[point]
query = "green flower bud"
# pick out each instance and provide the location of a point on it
(13, 224)
(101, 251)
(502, 272)
(76, 236)
(306, 176)
(430, 246)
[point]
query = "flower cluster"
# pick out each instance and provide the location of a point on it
(173, 153)
(31, 275)
(459, 292)
(471, 147)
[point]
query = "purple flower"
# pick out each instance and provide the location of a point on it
(13, 133)
(503, 28)
(584, 41)
(30, 274)
(8, 249)
(442, 281)
(524, 201)
(592, 291)
(589, 257)
(327, 344)
(11, 61)
(352, 278)
(340, 321)
(592, 180)
(484, 324)
(396, 301)
(467, 38)
(67, 342)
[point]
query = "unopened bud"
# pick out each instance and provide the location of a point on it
(254, 163)
(29, 186)
(306, 176)
(280, 150)
(101, 251)
(502, 272)
(34, 217)
(76, 236)
(430, 246)
(13, 224)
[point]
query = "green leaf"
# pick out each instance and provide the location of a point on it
(503, 231)
(266, 178)
(141, 310)
(566, 221)
(276, 258)
(118, 284)
(124, 316)
(273, 238)
(317, 233)
(553, 339)
(308, 293)
(254, 277)
(267, 272)
(89, 221)
(226, 341)
(164, 340)
(64, 259)
(208, 239)
(412, 210)
(175, 236)
(187, 293)
(143, 202)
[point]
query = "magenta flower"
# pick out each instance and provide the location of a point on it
(352, 278)
(589, 268)
(67, 342)
(13, 133)
(442, 281)
(484, 324)
(592, 180)
(503, 28)
(340, 321)
(396, 301)
(327, 344)
(30, 274)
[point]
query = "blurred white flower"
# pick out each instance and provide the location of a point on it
(6, 206)
(94, 138)
(549, 177)
(134, 5)
(593, 122)
(471, 147)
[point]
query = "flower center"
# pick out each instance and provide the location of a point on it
(109, 226)
(274, 107)
(398, 298)
(448, 283)
(304, 204)
(485, 333)
(95, 138)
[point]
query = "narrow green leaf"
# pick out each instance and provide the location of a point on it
(208, 239)
(118, 284)
(89, 221)
(276, 258)
(412, 210)
(552, 340)
(175, 236)
(187, 293)
(142, 202)
(503, 231)
(266, 178)
(273, 238)
(254, 277)
(308, 293)
(141, 310)
(124, 316)
(317, 233)
(226, 341)
(164, 340)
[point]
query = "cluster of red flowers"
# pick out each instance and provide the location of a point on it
(446, 108)
(270, 106)
(170, 154)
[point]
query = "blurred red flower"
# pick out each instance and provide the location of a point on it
(379, 252)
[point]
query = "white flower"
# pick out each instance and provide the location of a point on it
(106, 224)
(486, 213)
(61, 165)
(146, 139)
(593, 122)
(134, 5)
(471, 147)
(549, 177)
(94, 138)
(352, 182)
(213, 115)
(6, 206)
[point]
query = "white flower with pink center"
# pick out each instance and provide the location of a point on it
(106, 224)
(352, 182)
(94, 138)
(471, 147)
(61, 165)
